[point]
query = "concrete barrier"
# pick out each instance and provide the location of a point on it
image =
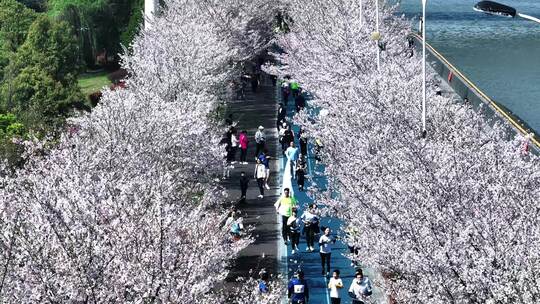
(465, 88)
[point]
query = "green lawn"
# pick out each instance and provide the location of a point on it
(93, 82)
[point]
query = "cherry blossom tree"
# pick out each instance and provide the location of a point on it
(452, 218)
(126, 207)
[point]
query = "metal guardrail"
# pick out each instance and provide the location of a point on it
(465, 88)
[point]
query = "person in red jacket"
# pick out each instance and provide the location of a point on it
(243, 141)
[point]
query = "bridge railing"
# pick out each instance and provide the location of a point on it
(465, 88)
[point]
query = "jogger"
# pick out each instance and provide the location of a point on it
(325, 250)
(294, 230)
(284, 206)
(311, 225)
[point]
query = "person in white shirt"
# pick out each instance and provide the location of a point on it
(260, 140)
(311, 225)
(234, 147)
(360, 288)
(260, 175)
(294, 223)
(335, 285)
(325, 250)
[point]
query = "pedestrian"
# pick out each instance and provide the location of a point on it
(292, 156)
(281, 115)
(234, 147)
(335, 285)
(281, 136)
(302, 140)
(300, 101)
(235, 225)
(265, 160)
(298, 290)
(229, 120)
(260, 139)
(301, 168)
(294, 86)
(244, 182)
(318, 150)
(263, 281)
(360, 288)
(243, 140)
(526, 144)
(311, 225)
(226, 166)
(285, 91)
(410, 41)
(254, 82)
(284, 206)
(325, 250)
(259, 175)
(288, 137)
(294, 224)
(352, 234)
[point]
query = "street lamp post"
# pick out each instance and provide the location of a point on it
(361, 13)
(150, 9)
(377, 30)
(424, 131)
(494, 8)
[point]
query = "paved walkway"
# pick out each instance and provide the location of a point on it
(310, 261)
(268, 251)
(258, 108)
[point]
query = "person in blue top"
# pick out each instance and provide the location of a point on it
(298, 289)
(265, 160)
(292, 156)
(263, 282)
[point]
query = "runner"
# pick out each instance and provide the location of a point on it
(325, 250)
(287, 139)
(301, 168)
(335, 285)
(285, 91)
(281, 137)
(300, 101)
(360, 289)
(292, 156)
(298, 290)
(281, 114)
(294, 88)
(294, 223)
(284, 206)
(302, 139)
(311, 225)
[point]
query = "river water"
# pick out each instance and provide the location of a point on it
(500, 55)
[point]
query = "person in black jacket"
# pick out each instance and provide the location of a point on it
(281, 115)
(301, 172)
(302, 139)
(299, 101)
(288, 137)
(244, 181)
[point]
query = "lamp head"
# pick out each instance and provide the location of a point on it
(494, 8)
